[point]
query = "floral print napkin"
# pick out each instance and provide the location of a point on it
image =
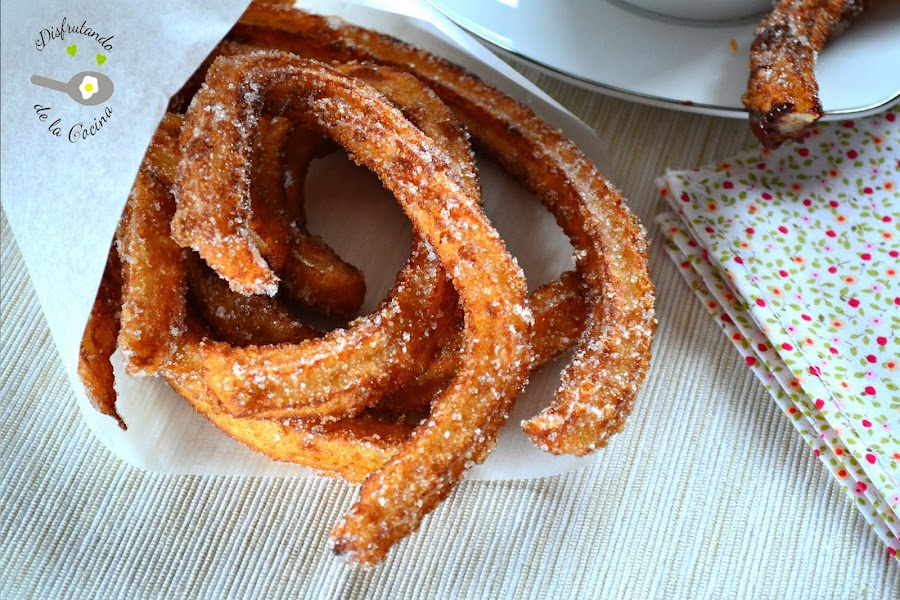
(796, 254)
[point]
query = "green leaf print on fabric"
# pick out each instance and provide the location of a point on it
(800, 250)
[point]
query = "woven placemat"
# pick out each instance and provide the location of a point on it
(708, 493)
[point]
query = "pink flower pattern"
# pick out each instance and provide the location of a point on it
(795, 254)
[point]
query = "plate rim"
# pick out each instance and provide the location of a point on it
(496, 43)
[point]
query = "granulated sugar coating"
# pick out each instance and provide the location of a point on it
(239, 319)
(449, 349)
(490, 285)
(153, 304)
(782, 91)
(350, 448)
(346, 370)
(380, 351)
(217, 226)
(610, 244)
(613, 353)
(456, 335)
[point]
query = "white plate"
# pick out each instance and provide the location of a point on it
(609, 47)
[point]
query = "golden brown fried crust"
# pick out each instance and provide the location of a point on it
(163, 153)
(313, 275)
(383, 352)
(422, 155)
(612, 358)
(268, 225)
(266, 239)
(220, 232)
(350, 449)
(153, 290)
(345, 371)
(491, 288)
(238, 319)
(559, 312)
(99, 342)
(782, 91)
(315, 278)
(426, 111)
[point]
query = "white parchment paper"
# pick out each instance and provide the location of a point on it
(63, 200)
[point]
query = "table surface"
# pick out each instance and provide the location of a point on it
(708, 493)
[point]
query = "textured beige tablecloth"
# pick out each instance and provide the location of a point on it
(708, 493)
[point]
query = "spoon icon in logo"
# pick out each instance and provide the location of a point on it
(88, 87)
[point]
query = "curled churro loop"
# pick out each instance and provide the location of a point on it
(373, 354)
(490, 285)
(612, 357)
(351, 448)
(394, 333)
(411, 396)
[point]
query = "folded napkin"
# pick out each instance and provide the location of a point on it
(796, 254)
